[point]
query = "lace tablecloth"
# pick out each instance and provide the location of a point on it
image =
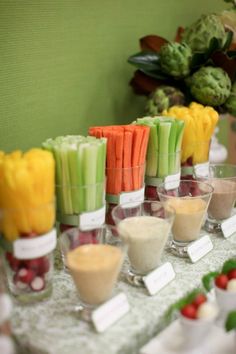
(52, 327)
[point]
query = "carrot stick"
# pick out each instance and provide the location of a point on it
(127, 175)
(143, 152)
(136, 148)
(119, 148)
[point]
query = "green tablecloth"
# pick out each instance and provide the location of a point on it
(52, 326)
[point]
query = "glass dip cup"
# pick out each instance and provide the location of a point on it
(94, 265)
(190, 201)
(145, 227)
(222, 177)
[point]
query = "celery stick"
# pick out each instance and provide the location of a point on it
(89, 171)
(172, 151)
(74, 178)
(164, 134)
(179, 138)
(66, 183)
(100, 178)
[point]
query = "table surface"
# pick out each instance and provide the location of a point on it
(52, 326)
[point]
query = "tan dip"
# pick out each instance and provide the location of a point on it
(146, 237)
(223, 199)
(188, 219)
(95, 268)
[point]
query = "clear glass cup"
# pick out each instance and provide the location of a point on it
(145, 227)
(29, 271)
(222, 177)
(94, 259)
(193, 155)
(190, 201)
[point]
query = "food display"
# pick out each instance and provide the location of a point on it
(27, 215)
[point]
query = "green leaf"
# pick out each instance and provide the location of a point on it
(229, 265)
(200, 58)
(208, 279)
(157, 74)
(228, 40)
(231, 54)
(230, 321)
(145, 60)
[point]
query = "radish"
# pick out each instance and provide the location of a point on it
(25, 275)
(37, 284)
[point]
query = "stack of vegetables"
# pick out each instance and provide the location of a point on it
(200, 122)
(126, 153)
(164, 146)
(26, 193)
(80, 172)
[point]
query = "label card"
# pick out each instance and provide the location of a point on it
(110, 312)
(228, 226)
(35, 247)
(132, 197)
(172, 181)
(202, 169)
(198, 249)
(158, 278)
(93, 218)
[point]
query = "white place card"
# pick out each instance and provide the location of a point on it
(110, 312)
(198, 249)
(93, 218)
(132, 197)
(29, 248)
(159, 278)
(202, 169)
(228, 226)
(172, 181)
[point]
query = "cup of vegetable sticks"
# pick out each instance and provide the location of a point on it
(200, 122)
(163, 152)
(125, 163)
(190, 201)
(80, 179)
(27, 216)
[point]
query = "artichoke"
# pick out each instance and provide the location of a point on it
(230, 103)
(163, 98)
(175, 59)
(210, 86)
(200, 33)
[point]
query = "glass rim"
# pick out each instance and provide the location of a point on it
(137, 203)
(162, 185)
(220, 165)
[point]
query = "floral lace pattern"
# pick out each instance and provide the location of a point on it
(53, 326)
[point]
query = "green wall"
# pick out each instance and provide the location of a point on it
(64, 62)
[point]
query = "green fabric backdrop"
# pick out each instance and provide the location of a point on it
(64, 62)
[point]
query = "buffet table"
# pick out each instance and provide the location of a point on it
(53, 327)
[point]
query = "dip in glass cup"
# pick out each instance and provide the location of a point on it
(145, 227)
(94, 265)
(190, 201)
(222, 177)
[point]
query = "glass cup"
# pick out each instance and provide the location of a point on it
(193, 155)
(190, 201)
(222, 177)
(145, 227)
(158, 169)
(94, 261)
(74, 201)
(28, 240)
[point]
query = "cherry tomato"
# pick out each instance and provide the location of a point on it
(232, 274)
(199, 299)
(189, 311)
(221, 281)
